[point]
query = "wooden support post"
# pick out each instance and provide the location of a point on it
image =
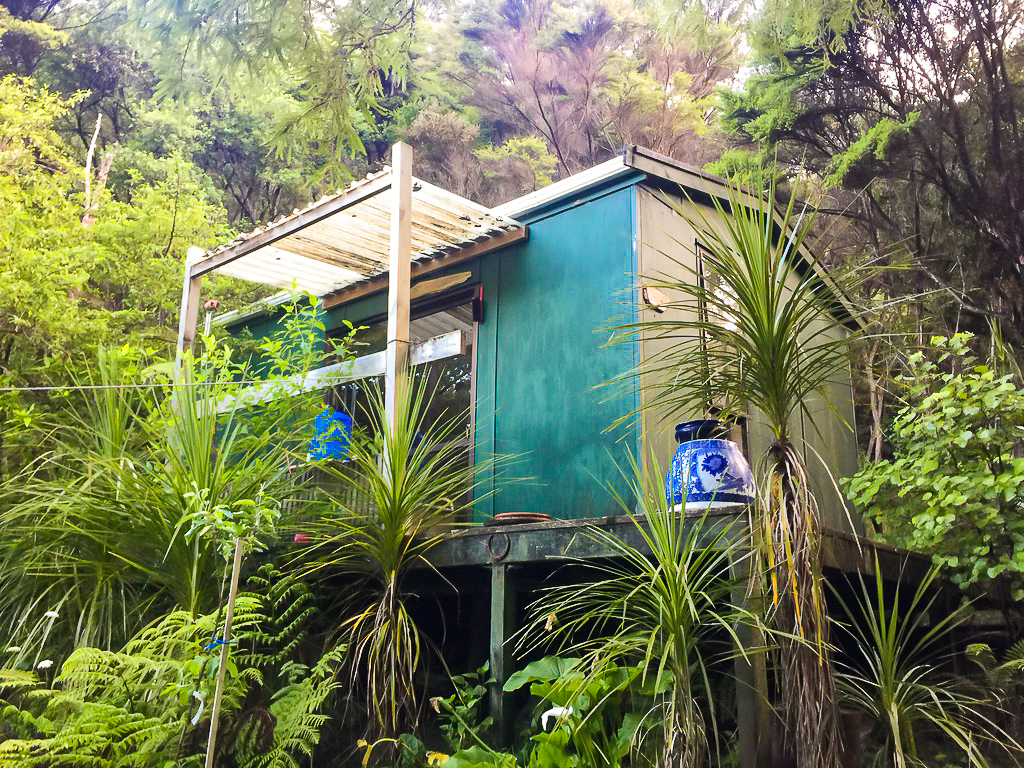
(399, 268)
(503, 616)
(225, 651)
(189, 312)
(753, 711)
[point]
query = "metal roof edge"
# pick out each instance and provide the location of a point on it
(540, 198)
(649, 161)
(631, 158)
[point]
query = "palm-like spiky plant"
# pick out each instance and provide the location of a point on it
(390, 505)
(756, 327)
(660, 607)
(893, 675)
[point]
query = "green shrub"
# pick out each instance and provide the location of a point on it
(148, 704)
(954, 488)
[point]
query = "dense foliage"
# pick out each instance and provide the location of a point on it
(141, 705)
(131, 131)
(112, 528)
(954, 486)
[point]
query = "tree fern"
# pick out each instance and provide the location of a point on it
(136, 706)
(287, 608)
(297, 714)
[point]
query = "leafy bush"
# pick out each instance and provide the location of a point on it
(598, 715)
(955, 487)
(460, 713)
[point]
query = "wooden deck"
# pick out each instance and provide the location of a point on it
(485, 545)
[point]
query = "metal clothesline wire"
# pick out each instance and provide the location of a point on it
(69, 387)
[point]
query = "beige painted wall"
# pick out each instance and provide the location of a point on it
(829, 443)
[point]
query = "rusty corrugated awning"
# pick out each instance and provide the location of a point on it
(343, 239)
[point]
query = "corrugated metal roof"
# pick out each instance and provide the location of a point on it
(342, 239)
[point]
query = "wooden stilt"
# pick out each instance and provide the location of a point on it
(397, 360)
(753, 711)
(188, 316)
(503, 614)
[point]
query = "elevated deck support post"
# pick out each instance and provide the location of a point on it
(399, 267)
(188, 316)
(753, 712)
(503, 617)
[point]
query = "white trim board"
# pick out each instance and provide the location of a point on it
(437, 348)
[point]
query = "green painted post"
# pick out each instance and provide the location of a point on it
(753, 713)
(503, 613)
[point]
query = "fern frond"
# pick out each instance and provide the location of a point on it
(981, 654)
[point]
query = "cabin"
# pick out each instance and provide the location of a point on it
(518, 303)
(509, 311)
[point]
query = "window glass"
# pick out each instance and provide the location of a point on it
(449, 381)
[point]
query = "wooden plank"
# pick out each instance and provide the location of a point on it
(274, 232)
(503, 616)
(449, 344)
(428, 265)
(560, 540)
(438, 284)
(400, 255)
(571, 539)
(188, 313)
(753, 711)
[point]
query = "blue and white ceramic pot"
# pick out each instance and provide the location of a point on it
(707, 471)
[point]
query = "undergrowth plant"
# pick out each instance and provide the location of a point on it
(147, 704)
(460, 715)
(894, 675)
(1004, 679)
(592, 718)
(98, 530)
(666, 610)
(401, 488)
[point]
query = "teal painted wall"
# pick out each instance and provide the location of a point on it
(541, 355)
(541, 358)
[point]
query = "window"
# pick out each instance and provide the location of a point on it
(451, 381)
(722, 313)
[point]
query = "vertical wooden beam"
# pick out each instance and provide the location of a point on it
(753, 711)
(503, 616)
(397, 358)
(188, 315)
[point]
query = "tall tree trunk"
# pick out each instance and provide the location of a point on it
(809, 702)
(876, 395)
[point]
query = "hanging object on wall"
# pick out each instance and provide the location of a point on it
(655, 298)
(332, 435)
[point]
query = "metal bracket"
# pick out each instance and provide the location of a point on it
(491, 553)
